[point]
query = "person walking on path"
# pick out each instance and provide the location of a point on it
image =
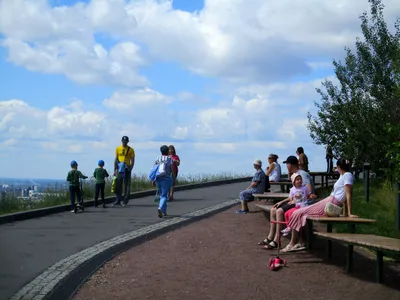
(100, 174)
(257, 186)
(174, 168)
(74, 190)
(164, 179)
(341, 194)
(303, 159)
(123, 165)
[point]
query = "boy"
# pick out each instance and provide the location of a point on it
(100, 173)
(73, 177)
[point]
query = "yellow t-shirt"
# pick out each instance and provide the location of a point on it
(123, 156)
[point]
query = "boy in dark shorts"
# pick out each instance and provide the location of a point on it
(73, 177)
(100, 174)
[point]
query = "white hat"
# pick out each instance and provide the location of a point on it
(257, 162)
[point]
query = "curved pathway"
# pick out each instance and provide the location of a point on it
(29, 247)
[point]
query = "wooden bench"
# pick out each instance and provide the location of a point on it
(374, 242)
(268, 196)
(329, 221)
(324, 177)
(264, 207)
(284, 184)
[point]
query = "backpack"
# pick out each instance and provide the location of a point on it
(162, 166)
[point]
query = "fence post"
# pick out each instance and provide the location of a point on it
(398, 206)
(367, 168)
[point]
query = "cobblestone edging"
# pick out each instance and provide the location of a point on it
(55, 277)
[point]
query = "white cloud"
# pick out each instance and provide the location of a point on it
(254, 48)
(243, 40)
(129, 101)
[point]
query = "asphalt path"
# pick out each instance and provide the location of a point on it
(29, 247)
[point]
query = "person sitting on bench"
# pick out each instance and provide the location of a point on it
(274, 169)
(257, 186)
(292, 165)
(342, 191)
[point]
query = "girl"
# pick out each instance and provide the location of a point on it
(299, 195)
(174, 168)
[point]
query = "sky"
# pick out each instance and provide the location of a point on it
(225, 81)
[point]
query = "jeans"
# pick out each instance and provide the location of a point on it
(74, 190)
(164, 184)
(99, 190)
(123, 182)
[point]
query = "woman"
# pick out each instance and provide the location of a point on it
(341, 194)
(274, 169)
(257, 186)
(303, 159)
(174, 169)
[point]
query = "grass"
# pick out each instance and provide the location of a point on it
(139, 182)
(381, 207)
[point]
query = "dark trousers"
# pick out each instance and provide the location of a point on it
(74, 190)
(329, 165)
(123, 184)
(99, 190)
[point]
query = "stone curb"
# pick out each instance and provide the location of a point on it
(36, 213)
(63, 279)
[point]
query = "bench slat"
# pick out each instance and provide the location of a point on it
(368, 240)
(271, 195)
(264, 207)
(341, 220)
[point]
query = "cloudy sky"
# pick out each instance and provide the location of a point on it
(225, 81)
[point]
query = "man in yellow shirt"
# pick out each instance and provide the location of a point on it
(123, 165)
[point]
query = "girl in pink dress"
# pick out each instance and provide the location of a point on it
(174, 168)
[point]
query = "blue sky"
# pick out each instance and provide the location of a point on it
(226, 82)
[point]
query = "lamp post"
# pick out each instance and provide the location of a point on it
(367, 168)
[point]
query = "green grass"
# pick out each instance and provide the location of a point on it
(139, 182)
(381, 207)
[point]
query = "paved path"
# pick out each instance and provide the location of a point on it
(28, 247)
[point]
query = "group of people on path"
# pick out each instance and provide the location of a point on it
(123, 165)
(301, 202)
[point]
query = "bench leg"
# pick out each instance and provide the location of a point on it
(379, 266)
(309, 234)
(328, 242)
(349, 262)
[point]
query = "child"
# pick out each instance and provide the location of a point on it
(100, 174)
(299, 195)
(73, 177)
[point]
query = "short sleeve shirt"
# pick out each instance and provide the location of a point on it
(259, 176)
(124, 154)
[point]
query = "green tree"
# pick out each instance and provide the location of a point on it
(353, 114)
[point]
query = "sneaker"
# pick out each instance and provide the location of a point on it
(160, 214)
(73, 210)
(117, 204)
(286, 230)
(241, 211)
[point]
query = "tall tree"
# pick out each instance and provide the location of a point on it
(353, 115)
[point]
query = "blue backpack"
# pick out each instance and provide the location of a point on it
(154, 172)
